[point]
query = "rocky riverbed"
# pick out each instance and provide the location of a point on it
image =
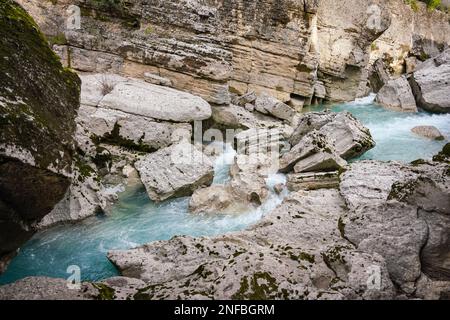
(124, 103)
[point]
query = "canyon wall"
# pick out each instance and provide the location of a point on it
(38, 104)
(297, 51)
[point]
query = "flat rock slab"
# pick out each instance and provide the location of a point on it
(101, 122)
(349, 137)
(142, 98)
(175, 171)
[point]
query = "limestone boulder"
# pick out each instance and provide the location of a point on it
(371, 181)
(348, 136)
(431, 83)
(401, 212)
(315, 152)
(238, 117)
(175, 171)
(127, 130)
(267, 104)
(142, 98)
(397, 95)
(394, 231)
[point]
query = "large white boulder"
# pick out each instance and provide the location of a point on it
(142, 98)
(397, 95)
(175, 171)
(431, 83)
(349, 137)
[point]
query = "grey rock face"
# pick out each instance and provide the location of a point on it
(394, 231)
(430, 132)
(397, 95)
(274, 259)
(431, 83)
(240, 118)
(400, 212)
(43, 288)
(143, 132)
(175, 171)
(359, 186)
(35, 288)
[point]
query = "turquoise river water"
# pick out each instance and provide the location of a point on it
(136, 220)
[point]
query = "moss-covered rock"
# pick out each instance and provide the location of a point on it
(39, 98)
(38, 104)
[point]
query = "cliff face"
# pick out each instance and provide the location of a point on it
(293, 50)
(419, 34)
(38, 103)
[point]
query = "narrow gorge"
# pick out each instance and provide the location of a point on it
(224, 150)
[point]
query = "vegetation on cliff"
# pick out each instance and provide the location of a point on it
(39, 98)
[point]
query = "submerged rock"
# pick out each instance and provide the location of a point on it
(175, 171)
(430, 132)
(213, 199)
(397, 95)
(431, 83)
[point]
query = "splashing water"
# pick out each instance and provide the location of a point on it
(137, 220)
(392, 130)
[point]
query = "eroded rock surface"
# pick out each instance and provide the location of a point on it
(397, 95)
(264, 262)
(141, 98)
(322, 140)
(400, 212)
(431, 83)
(38, 104)
(175, 171)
